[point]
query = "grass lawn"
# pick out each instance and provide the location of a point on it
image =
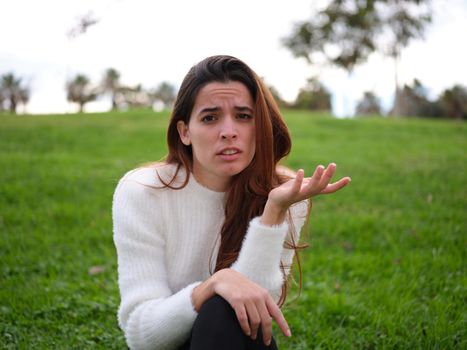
(386, 266)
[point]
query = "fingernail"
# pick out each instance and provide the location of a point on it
(268, 342)
(289, 333)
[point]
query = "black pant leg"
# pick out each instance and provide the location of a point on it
(217, 327)
(258, 343)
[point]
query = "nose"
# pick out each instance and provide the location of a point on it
(228, 129)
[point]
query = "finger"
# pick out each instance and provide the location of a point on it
(277, 315)
(266, 323)
(242, 317)
(314, 180)
(327, 175)
(297, 184)
(254, 319)
(336, 186)
(318, 172)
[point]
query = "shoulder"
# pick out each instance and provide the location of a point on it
(147, 180)
(153, 174)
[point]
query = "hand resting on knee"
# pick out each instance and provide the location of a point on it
(253, 304)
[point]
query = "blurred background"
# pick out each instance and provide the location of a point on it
(376, 86)
(140, 50)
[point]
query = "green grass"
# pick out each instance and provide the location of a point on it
(385, 268)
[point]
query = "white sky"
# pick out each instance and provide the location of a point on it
(153, 41)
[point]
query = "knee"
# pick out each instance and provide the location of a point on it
(216, 305)
(216, 327)
(216, 316)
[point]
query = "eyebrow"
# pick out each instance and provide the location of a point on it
(216, 109)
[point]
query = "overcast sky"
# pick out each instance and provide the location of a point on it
(153, 41)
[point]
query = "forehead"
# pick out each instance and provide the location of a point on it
(216, 92)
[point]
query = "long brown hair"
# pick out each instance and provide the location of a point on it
(248, 191)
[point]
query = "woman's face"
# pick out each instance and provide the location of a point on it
(221, 132)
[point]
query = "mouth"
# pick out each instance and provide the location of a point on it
(229, 151)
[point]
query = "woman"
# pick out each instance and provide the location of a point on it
(206, 239)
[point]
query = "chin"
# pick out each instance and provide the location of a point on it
(234, 170)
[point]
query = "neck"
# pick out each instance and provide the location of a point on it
(213, 183)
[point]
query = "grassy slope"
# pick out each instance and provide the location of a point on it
(386, 266)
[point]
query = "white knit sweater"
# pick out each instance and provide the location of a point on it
(167, 240)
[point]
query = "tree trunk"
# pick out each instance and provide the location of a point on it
(397, 100)
(114, 102)
(13, 105)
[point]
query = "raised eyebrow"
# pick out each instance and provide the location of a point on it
(244, 109)
(209, 110)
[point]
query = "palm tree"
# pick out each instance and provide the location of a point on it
(110, 83)
(13, 92)
(80, 91)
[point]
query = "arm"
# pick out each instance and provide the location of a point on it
(261, 252)
(260, 255)
(150, 314)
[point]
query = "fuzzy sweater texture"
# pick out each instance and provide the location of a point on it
(167, 242)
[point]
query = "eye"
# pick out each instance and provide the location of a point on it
(208, 118)
(244, 116)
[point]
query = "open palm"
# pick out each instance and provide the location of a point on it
(301, 188)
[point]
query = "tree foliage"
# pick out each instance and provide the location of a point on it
(164, 93)
(369, 105)
(80, 91)
(412, 101)
(454, 101)
(132, 97)
(277, 97)
(111, 84)
(346, 32)
(12, 92)
(313, 96)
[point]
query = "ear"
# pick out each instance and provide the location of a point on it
(184, 133)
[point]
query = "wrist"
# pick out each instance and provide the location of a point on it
(202, 292)
(273, 214)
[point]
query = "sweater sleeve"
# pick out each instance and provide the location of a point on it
(263, 250)
(151, 315)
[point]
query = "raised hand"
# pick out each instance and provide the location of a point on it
(298, 189)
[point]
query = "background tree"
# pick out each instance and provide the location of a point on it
(277, 97)
(110, 84)
(413, 101)
(79, 90)
(454, 101)
(164, 93)
(2, 99)
(13, 92)
(133, 97)
(370, 104)
(313, 96)
(346, 32)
